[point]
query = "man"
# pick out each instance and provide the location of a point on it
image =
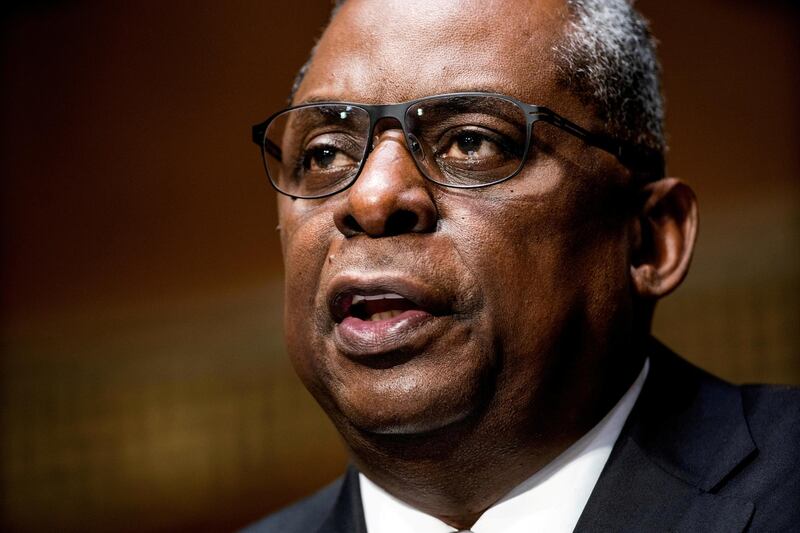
(471, 274)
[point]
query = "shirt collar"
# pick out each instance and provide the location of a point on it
(550, 500)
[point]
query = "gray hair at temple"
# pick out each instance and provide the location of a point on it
(607, 57)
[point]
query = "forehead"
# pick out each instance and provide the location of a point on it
(397, 50)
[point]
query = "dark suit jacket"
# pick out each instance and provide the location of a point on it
(696, 454)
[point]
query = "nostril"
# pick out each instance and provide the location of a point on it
(351, 226)
(401, 221)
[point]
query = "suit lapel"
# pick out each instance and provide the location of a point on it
(636, 494)
(682, 441)
(347, 514)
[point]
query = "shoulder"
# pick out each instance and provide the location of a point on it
(773, 418)
(304, 516)
(737, 442)
(772, 410)
(771, 479)
(707, 406)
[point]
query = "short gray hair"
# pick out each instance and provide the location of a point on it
(607, 57)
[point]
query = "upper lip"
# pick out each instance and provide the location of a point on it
(423, 295)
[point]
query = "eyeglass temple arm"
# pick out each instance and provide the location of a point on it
(269, 147)
(637, 158)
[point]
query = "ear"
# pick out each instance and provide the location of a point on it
(664, 237)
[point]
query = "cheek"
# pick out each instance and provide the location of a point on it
(306, 231)
(305, 238)
(545, 268)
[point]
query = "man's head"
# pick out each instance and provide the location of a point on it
(523, 303)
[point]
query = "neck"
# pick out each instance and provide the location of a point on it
(457, 472)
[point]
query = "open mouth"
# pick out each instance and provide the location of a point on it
(375, 315)
(372, 307)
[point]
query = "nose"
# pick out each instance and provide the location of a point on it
(390, 197)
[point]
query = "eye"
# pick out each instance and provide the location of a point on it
(326, 160)
(471, 145)
(326, 154)
(323, 158)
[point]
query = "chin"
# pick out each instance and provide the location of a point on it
(413, 424)
(414, 408)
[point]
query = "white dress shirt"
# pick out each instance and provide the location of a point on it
(551, 500)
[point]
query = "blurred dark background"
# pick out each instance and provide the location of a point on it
(144, 382)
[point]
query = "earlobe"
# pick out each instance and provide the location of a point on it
(663, 238)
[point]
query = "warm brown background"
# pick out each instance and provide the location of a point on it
(144, 385)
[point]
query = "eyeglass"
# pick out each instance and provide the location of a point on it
(463, 140)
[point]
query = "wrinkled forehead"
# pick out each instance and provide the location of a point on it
(397, 50)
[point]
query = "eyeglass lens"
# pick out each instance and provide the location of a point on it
(457, 141)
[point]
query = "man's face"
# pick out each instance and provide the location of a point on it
(508, 292)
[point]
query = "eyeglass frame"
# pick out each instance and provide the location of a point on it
(640, 160)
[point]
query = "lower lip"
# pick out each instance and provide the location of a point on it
(362, 338)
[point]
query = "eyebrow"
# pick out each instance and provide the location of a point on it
(473, 89)
(315, 100)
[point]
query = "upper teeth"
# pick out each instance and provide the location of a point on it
(386, 296)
